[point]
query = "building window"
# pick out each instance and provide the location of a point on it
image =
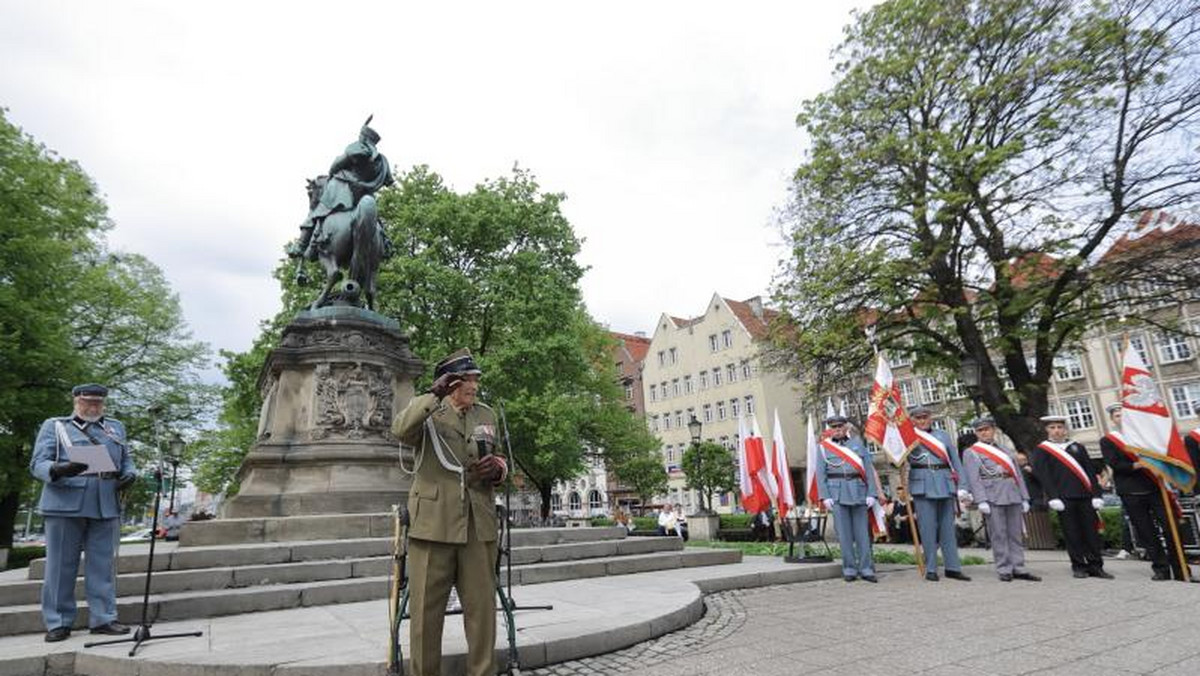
(653, 423)
(712, 343)
(669, 453)
(555, 502)
(595, 504)
(574, 502)
(662, 358)
(1138, 343)
(735, 407)
(906, 393)
(663, 388)
(653, 393)
(930, 393)
(666, 421)
(750, 404)
(1068, 366)
(901, 359)
(727, 338)
(731, 373)
(747, 370)
(1079, 413)
(1186, 398)
(721, 410)
(628, 392)
(687, 384)
(674, 356)
(724, 441)
(707, 413)
(864, 403)
(691, 413)
(679, 419)
(956, 389)
(939, 424)
(675, 391)
(1172, 348)
(704, 380)
(716, 377)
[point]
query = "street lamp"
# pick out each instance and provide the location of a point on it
(175, 446)
(694, 426)
(970, 373)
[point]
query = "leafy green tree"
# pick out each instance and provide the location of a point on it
(643, 473)
(71, 310)
(710, 469)
(967, 169)
(494, 270)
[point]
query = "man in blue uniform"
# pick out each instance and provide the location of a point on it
(846, 486)
(933, 480)
(81, 513)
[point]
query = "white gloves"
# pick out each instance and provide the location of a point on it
(1057, 505)
(1097, 503)
(1025, 507)
(870, 502)
(964, 495)
(828, 502)
(985, 508)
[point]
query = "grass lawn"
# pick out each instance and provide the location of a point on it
(903, 557)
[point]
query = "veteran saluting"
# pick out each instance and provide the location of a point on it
(452, 531)
(846, 486)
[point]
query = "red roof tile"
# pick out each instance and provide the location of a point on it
(1154, 229)
(637, 346)
(756, 325)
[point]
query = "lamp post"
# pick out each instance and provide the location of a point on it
(694, 427)
(969, 371)
(175, 448)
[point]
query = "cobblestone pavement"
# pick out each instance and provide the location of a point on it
(907, 625)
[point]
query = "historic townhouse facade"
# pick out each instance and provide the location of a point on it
(708, 367)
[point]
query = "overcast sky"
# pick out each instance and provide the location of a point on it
(669, 125)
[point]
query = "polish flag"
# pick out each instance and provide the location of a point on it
(761, 467)
(888, 425)
(751, 466)
(780, 471)
(1147, 426)
(812, 457)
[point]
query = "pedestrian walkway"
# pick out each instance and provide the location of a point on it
(905, 625)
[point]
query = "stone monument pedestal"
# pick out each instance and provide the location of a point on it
(324, 442)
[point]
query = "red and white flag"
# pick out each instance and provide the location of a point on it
(751, 468)
(780, 471)
(761, 469)
(812, 457)
(888, 425)
(1147, 426)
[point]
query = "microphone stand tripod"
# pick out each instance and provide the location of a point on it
(142, 634)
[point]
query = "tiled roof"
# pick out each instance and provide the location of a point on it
(1154, 229)
(637, 346)
(757, 326)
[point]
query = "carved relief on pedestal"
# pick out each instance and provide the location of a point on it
(340, 339)
(268, 406)
(352, 401)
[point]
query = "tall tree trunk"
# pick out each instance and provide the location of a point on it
(9, 504)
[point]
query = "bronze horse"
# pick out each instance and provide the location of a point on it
(351, 240)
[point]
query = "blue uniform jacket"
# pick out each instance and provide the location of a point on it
(84, 495)
(933, 483)
(845, 491)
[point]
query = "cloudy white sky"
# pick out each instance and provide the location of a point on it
(669, 125)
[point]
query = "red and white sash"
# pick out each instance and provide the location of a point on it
(937, 448)
(1059, 453)
(1195, 434)
(846, 454)
(997, 456)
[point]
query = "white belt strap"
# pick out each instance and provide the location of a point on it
(441, 452)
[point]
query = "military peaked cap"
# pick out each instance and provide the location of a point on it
(1047, 419)
(836, 420)
(919, 411)
(983, 422)
(460, 362)
(1113, 408)
(89, 390)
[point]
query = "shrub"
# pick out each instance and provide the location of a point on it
(19, 557)
(730, 521)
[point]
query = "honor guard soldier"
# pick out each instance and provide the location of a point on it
(453, 525)
(1140, 493)
(846, 486)
(1191, 441)
(81, 511)
(1066, 473)
(933, 474)
(996, 485)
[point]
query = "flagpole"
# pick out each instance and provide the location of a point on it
(918, 553)
(1168, 513)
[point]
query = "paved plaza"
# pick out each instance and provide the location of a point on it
(905, 625)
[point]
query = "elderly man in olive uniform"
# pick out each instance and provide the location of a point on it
(846, 486)
(933, 483)
(997, 486)
(81, 513)
(452, 536)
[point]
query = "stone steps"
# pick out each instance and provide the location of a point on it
(284, 594)
(193, 570)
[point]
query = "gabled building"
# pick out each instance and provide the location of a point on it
(708, 366)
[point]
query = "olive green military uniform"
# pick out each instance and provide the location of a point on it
(452, 536)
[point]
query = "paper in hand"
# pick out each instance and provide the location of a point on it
(96, 457)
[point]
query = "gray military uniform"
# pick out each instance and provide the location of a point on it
(990, 482)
